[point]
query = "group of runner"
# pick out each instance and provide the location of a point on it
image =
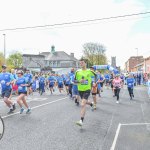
(77, 84)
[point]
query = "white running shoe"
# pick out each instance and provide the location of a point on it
(117, 102)
(79, 123)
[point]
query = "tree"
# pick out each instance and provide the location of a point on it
(1, 60)
(95, 53)
(15, 60)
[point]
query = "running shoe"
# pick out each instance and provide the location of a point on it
(77, 103)
(117, 102)
(10, 111)
(79, 123)
(94, 106)
(14, 107)
(41, 92)
(75, 100)
(28, 111)
(21, 110)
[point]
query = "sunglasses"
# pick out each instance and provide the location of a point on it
(18, 73)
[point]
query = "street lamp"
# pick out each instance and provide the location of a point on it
(4, 48)
(137, 58)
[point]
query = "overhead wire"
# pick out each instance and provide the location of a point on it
(75, 22)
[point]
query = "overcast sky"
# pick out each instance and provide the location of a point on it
(121, 37)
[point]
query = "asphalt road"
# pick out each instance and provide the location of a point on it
(51, 125)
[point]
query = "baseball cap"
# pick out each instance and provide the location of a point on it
(4, 66)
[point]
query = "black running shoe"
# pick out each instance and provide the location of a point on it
(14, 107)
(75, 100)
(77, 103)
(10, 111)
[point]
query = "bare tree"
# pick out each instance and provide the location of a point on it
(95, 53)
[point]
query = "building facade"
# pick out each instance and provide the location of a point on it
(33, 62)
(56, 60)
(132, 62)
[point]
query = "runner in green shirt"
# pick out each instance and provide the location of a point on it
(84, 80)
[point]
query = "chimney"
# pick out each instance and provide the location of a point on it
(72, 55)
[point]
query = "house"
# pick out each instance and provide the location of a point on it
(132, 62)
(58, 61)
(33, 62)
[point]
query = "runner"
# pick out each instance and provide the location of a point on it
(75, 92)
(22, 91)
(98, 83)
(130, 85)
(117, 83)
(28, 77)
(41, 84)
(6, 80)
(107, 79)
(14, 87)
(94, 87)
(83, 77)
(71, 74)
(102, 80)
(111, 83)
(94, 92)
(67, 83)
(51, 82)
(60, 83)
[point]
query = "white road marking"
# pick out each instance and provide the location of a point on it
(135, 124)
(36, 107)
(116, 137)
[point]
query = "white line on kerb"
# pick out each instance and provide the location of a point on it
(116, 137)
(36, 107)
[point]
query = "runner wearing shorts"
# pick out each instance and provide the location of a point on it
(22, 91)
(6, 81)
(83, 78)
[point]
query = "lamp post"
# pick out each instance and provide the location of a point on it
(4, 48)
(137, 58)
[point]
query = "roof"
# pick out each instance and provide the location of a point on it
(58, 55)
(32, 55)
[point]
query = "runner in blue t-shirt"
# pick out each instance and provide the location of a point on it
(22, 91)
(28, 77)
(98, 81)
(130, 85)
(42, 84)
(60, 83)
(6, 80)
(75, 92)
(67, 82)
(71, 74)
(51, 82)
(107, 79)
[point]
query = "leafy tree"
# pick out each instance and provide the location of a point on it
(95, 53)
(1, 60)
(15, 60)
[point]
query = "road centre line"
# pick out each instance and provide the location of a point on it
(3, 117)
